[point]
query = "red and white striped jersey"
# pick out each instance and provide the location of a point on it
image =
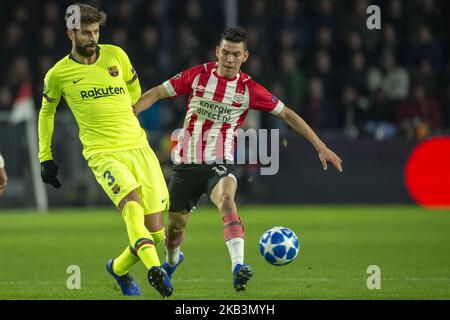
(216, 108)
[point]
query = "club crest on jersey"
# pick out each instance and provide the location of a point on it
(115, 189)
(238, 98)
(113, 71)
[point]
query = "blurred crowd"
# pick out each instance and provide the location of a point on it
(317, 56)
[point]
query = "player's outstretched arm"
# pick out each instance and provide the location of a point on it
(149, 98)
(293, 120)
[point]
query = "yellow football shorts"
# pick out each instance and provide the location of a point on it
(121, 172)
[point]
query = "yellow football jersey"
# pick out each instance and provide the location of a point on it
(100, 96)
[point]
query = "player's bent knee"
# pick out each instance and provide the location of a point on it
(226, 204)
(174, 230)
(226, 198)
(177, 221)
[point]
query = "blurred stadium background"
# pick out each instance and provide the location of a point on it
(371, 94)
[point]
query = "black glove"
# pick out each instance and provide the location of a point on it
(49, 171)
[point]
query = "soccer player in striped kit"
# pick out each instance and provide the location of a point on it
(220, 96)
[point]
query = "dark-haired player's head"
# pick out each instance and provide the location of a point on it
(232, 51)
(85, 34)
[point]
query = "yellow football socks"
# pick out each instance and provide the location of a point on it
(128, 258)
(140, 238)
(123, 263)
(158, 236)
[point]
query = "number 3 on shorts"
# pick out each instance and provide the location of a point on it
(109, 176)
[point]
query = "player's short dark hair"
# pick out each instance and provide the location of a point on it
(90, 14)
(234, 34)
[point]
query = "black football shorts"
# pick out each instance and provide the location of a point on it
(189, 181)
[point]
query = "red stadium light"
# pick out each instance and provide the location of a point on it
(427, 173)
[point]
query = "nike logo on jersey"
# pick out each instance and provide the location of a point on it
(163, 200)
(76, 81)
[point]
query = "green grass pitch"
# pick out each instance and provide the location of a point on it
(411, 246)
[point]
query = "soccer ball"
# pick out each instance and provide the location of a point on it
(279, 246)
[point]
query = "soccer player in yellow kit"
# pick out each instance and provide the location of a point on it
(100, 86)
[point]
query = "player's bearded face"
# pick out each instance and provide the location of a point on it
(231, 55)
(86, 40)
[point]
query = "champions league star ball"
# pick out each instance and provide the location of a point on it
(279, 246)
